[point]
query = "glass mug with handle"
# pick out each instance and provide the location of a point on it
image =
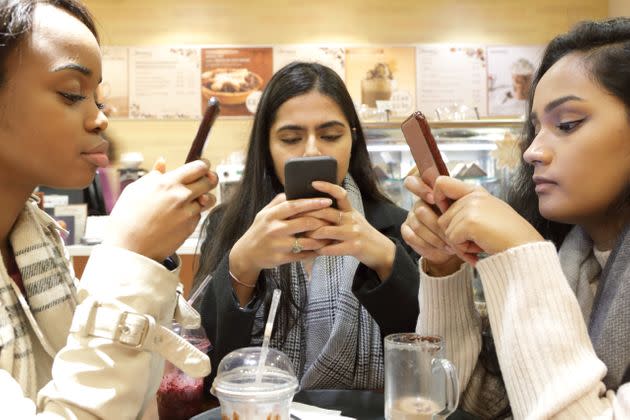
(420, 384)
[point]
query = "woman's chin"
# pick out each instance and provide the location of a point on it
(77, 182)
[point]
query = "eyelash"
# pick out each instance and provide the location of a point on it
(569, 126)
(72, 98)
(297, 139)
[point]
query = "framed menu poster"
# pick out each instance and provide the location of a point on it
(235, 76)
(451, 81)
(333, 57)
(114, 88)
(163, 82)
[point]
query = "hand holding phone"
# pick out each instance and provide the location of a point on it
(299, 174)
(209, 117)
(425, 152)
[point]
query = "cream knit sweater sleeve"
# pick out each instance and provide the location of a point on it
(447, 309)
(547, 361)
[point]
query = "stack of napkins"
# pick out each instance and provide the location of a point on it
(309, 412)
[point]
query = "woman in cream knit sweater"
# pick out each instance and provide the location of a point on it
(559, 319)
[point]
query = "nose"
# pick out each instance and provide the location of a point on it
(96, 123)
(311, 147)
(537, 153)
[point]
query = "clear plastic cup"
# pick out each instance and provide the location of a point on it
(180, 396)
(244, 394)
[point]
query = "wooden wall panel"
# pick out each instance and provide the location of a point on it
(619, 7)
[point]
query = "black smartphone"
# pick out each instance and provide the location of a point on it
(209, 117)
(299, 174)
(424, 150)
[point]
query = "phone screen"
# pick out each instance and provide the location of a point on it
(209, 117)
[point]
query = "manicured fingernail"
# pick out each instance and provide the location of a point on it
(430, 198)
(325, 202)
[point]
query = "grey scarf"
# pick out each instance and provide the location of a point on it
(335, 343)
(608, 313)
(50, 292)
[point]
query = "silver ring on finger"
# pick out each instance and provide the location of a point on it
(297, 247)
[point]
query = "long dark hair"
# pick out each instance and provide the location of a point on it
(16, 21)
(229, 221)
(606, 49)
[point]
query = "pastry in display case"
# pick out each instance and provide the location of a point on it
(483, 152)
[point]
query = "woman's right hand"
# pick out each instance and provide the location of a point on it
(423, 234)
(155, 214)
(269, 240)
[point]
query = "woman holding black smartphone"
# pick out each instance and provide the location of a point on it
(559, 318)
(347, 279)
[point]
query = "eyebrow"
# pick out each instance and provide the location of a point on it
(556, 103)
(75, 67)
(328, 124)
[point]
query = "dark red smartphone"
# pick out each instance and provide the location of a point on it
(424, 150)
(209, 117)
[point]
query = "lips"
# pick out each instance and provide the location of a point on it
(543, 184)
(97, 156)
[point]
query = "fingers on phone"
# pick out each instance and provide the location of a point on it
(427, 233)
(190, 172)
(292, 207)
(199, 188)
(336, 191)
(419, 188)
(304, 224)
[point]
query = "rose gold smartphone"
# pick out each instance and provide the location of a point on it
(424, 149)
(209, 117)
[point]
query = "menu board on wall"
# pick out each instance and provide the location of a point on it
(164, 82)
(510, 73)
(451, 81)
(333, 57)
(236, 76)
(115, 84)
(382, 77)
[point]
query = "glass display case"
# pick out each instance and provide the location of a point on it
(483, 152)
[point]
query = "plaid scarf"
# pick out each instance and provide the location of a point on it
(50, 296)
(335, 343)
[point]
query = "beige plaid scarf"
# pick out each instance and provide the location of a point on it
(50, 297)
(336, 342)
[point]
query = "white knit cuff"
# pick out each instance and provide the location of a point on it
(547, 359)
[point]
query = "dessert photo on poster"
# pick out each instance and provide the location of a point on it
(381, 80)
(510, 73)
(236, 77)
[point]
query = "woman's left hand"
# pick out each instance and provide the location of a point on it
(352, 233)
